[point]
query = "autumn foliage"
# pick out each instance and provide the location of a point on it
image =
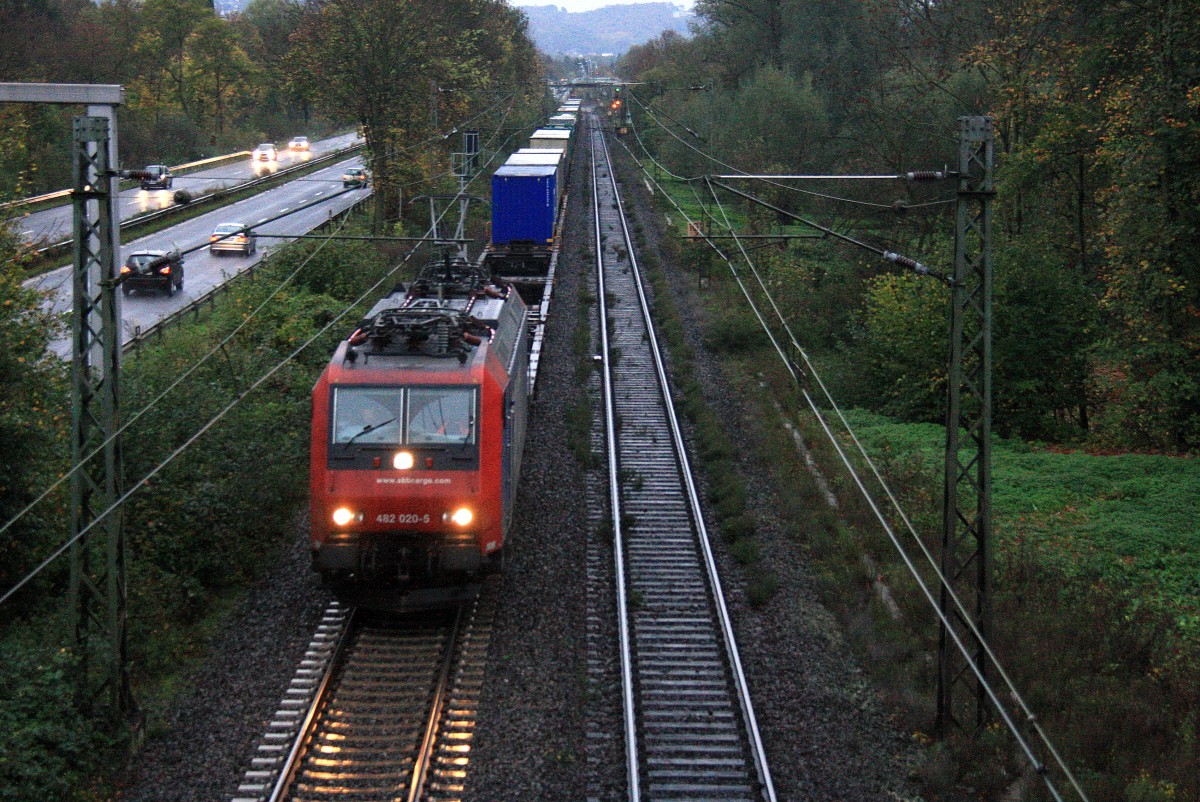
(1097, 110)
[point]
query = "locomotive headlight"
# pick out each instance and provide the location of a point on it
(403, 460)
(343, 516)
(462, 516)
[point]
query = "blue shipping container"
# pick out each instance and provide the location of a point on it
(524, 200)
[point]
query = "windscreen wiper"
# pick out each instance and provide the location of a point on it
(370, 427)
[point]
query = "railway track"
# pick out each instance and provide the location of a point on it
(382, 708)
(689, 728)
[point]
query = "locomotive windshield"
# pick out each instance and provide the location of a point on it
(404, 415)
(367, 415)
(441, 415)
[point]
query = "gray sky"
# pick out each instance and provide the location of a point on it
(588, 5)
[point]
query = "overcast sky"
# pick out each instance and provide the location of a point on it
(588, 5)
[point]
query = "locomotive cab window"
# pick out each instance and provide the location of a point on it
(441, 415)
(391, 416)
(367, 415)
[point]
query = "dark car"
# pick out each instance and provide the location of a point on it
(159, 177)
(152, 270)
(356, 177)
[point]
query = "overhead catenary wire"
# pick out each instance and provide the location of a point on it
(221, 414)
(392, 152)
(135, 417)
(963, 613)
(770, 179)
(1029, 717)
(887, 255)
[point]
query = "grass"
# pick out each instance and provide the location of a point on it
(1097, 582)
(1131, 518)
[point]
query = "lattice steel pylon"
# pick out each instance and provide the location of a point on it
(97, 591)
(966, 558)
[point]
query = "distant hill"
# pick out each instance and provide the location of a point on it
(612, 29)
(558, 32)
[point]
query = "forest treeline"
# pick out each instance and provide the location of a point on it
(198, 84)
(1097, 220)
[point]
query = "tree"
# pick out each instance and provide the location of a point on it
(33, 420)
(373, 61)
(1150, 215)
(168, 26)
(268, 38)
(749, 33)
(382, 62)
(218, 68)
(774, 118)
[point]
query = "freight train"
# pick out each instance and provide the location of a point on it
(418, 421)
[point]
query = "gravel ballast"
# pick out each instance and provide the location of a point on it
(213, 728)
(826, 733)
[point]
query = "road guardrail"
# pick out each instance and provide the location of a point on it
(142, 336)
(211, 198)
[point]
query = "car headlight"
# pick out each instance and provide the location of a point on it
(343, 516)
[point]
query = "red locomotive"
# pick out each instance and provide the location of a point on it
(417, 431)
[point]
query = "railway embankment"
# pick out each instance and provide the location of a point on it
(218, 572)
(1097, 555)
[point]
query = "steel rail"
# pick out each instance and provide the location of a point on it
(751, 722)
(291, 763)
(614, 499)
(338, 702)
(416, 785)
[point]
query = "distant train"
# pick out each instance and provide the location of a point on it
(418, 421)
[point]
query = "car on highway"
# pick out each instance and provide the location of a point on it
(152, 270)
(356, 178)
(265, 152)
(235, 237)
(299, 143)
(158, 176)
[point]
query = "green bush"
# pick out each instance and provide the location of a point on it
(736, 332)
(50, 749)
(762, 588)
(34, 422)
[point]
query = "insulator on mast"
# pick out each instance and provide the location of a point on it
(927, 175)
(916, 267)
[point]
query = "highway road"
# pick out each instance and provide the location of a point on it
(54, 225)
(202, 270)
